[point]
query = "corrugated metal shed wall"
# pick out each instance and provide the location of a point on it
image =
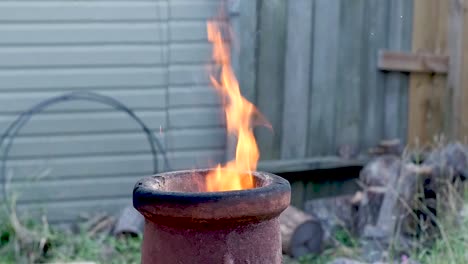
(149, 54)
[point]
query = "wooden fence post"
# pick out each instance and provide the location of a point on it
(427, 91)
(458, 79)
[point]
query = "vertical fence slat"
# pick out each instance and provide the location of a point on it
(324, 74)
(297, 79)
(463, 88)
(248, 47)
(426, 91)
(455, 44)
(458, 79)
(440, 93)
(375, 36)
(270, 75)
(396, 86)
(350, 72)
(418, 82)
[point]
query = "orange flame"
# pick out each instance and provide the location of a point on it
(236, 174)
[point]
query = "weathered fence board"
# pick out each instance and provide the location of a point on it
(458, 81)
(375, 35)
(427, 91)
(455, 76)
(349, 86)
(270, 74)
(323, 84)
(396, 84)
(297, 80)
(410, 62)
(329, 91)
(248, 37)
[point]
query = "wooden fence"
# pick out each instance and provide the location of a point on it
(438, 96)
(332, 74)
(438, 88)
(311, 68)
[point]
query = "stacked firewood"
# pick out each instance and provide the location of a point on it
(417, 190)
(402, 197)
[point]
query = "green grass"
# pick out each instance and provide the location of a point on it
(54, 245)
(64, 246)
(452, 248)
(60, 245)
(348, 247)
(103, 249)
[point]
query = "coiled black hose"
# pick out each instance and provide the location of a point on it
(14, 128)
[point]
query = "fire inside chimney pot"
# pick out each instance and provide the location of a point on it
(185, 224)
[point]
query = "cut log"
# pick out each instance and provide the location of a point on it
(301, 234)
(397, 213)
(450, 165)
(103, 226)
(368, 208)
(374, 179)
(333, 213)
(444, 187)
(452, 156)
(379, 171)
(388, 147)
(399, 202)
(130, 222)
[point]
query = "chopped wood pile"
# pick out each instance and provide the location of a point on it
(420, 190)
(402, 196)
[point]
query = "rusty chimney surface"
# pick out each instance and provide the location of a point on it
(185, 224)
